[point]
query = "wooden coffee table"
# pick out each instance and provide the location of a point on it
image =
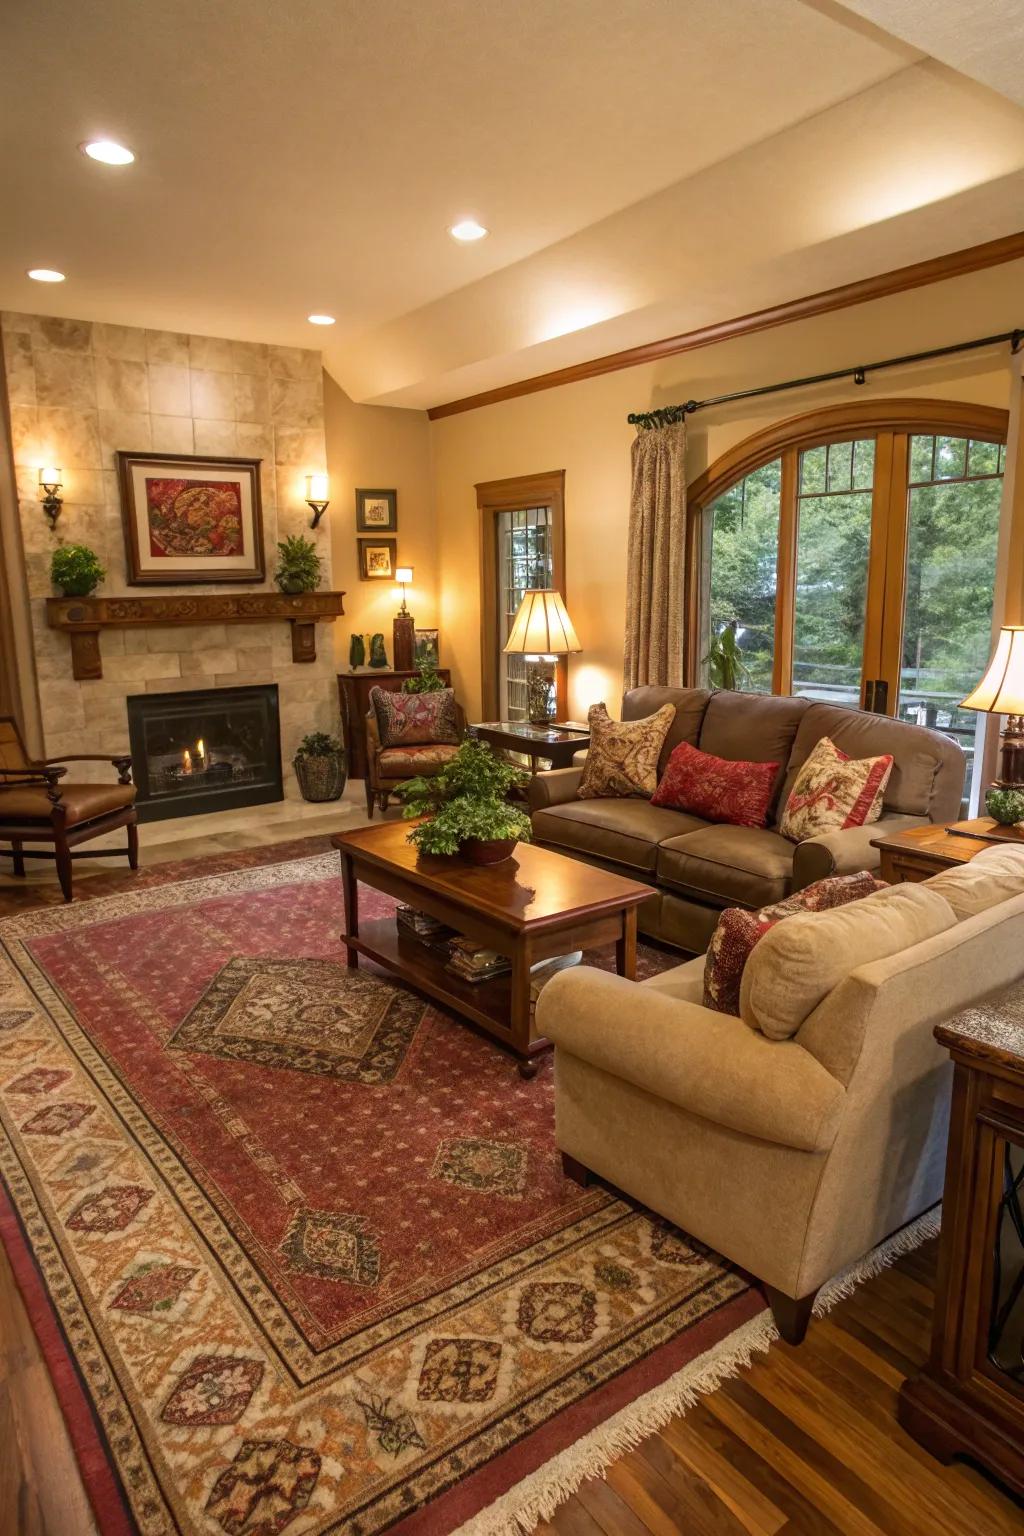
(534, 906)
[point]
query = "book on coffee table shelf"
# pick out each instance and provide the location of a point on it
(475, 962)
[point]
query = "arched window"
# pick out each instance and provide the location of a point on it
(852, 553)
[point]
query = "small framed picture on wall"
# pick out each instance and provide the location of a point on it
(376, 511)
(378, 559)
(426, 651)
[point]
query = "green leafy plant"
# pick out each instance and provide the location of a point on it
(426, 680)
(318, 744)
(465, 800)
(298, 566)
(725, 663)
(75, 569)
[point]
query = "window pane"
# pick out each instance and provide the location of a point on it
(524, 561)
(833, 536)
(951, 564)
(864, 464)
(742, 534)
(983, 459)
(812, 470)
(921, 449)
(950, 457)
(840, 466)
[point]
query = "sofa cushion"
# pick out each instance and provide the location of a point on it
(621, 831)
(927, 776)
(833, 792)
(738, 931)
(800, 961)
(728, 866)
(754, 727)
(993, 876)
(414, 719)
(713, 787)
(623, 755)
(689, 703)
(80, 802)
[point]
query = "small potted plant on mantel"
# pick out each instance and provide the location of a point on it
(75, 570)
(298, 565)
(320, 767)
(465, 809)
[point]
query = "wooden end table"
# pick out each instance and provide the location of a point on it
(921, 852)
(557, 744)
(534, 906)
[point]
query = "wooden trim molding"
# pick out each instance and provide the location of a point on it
(833, 423)
(82, 618)
(973, 258)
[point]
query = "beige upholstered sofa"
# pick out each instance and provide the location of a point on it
(792, 1157)
(696, 868)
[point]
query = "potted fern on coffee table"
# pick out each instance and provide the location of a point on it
(464, 808)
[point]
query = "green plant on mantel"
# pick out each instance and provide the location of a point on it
(298, 566)
(425, 681)
(466, 800)
(75, 570)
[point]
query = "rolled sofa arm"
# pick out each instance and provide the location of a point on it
(556, 787)
(710, 1064)
(843, 853)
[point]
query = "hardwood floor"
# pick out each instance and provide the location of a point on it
(805, 1443)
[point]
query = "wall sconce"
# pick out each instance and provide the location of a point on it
(50, 486)
(317, 496)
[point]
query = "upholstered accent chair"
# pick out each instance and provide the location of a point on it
(388, 767)
(791, 1156)
(38, 805)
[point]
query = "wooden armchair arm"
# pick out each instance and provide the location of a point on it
(122, 763)
(35, 776)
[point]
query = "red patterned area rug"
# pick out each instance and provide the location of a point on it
(297, 1244)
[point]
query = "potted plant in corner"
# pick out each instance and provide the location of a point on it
(465, 809)
(298, 565)
(427, 680)
(320, 767)
(75, 570)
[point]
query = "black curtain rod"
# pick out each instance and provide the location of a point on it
(666, 415)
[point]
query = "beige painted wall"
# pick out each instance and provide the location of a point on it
(582, 429)
(378, 447)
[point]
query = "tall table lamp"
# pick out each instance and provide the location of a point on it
(403, 626)
(541, 632)
(1001, 692)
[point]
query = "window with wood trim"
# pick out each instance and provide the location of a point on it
(523, 546)
(852, 552)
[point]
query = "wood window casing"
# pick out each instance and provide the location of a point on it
(518, 493)
(890, 423)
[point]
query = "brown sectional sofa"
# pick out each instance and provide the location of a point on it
(695, 867)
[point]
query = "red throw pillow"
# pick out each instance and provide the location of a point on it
(715, 788)
(739, 930)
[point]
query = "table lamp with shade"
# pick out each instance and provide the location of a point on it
(541, 632)
(1001, 692)
(403, 627)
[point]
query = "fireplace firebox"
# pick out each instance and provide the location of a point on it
(208, 750)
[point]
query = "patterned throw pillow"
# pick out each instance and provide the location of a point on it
(415, 719)
(715, 788)
(623, 754)
(732, 942)
(833, 792)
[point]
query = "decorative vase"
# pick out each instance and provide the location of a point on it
(356, 652)
(1006, 806)
(378, 655)
(491, 850)
(320, 778)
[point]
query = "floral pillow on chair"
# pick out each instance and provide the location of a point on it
(415, 719)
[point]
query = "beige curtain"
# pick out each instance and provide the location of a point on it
(656, 558)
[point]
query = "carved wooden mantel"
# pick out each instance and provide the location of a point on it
(82, 618)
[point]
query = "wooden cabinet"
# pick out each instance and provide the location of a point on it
(354, 700)
(969, 1399)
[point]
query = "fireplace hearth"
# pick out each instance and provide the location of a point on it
(211, 749)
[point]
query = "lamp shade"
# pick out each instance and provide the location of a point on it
(317, 488)
(542, 627)
(1001, 690)
(403, 574)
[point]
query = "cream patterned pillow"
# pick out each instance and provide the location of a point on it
(833, 792)
(623, 755)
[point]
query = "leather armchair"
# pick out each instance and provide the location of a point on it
(388, 767)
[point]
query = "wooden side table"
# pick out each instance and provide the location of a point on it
(969, 1399)
(921, 852)
(354, 701)
(556, 744)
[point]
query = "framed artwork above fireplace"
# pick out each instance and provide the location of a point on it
(191, 519)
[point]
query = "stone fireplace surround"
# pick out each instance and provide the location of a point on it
(77, 393)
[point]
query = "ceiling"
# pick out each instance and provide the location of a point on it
(640, 172)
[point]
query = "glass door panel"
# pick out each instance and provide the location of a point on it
(525, 560)
(833, 541)
(742, 539)
(954, 491)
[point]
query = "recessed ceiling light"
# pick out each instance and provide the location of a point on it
(320, 319)
(107, 151)
(466, 230)
(45, 275)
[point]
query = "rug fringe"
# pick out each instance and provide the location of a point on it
(538, 1496)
